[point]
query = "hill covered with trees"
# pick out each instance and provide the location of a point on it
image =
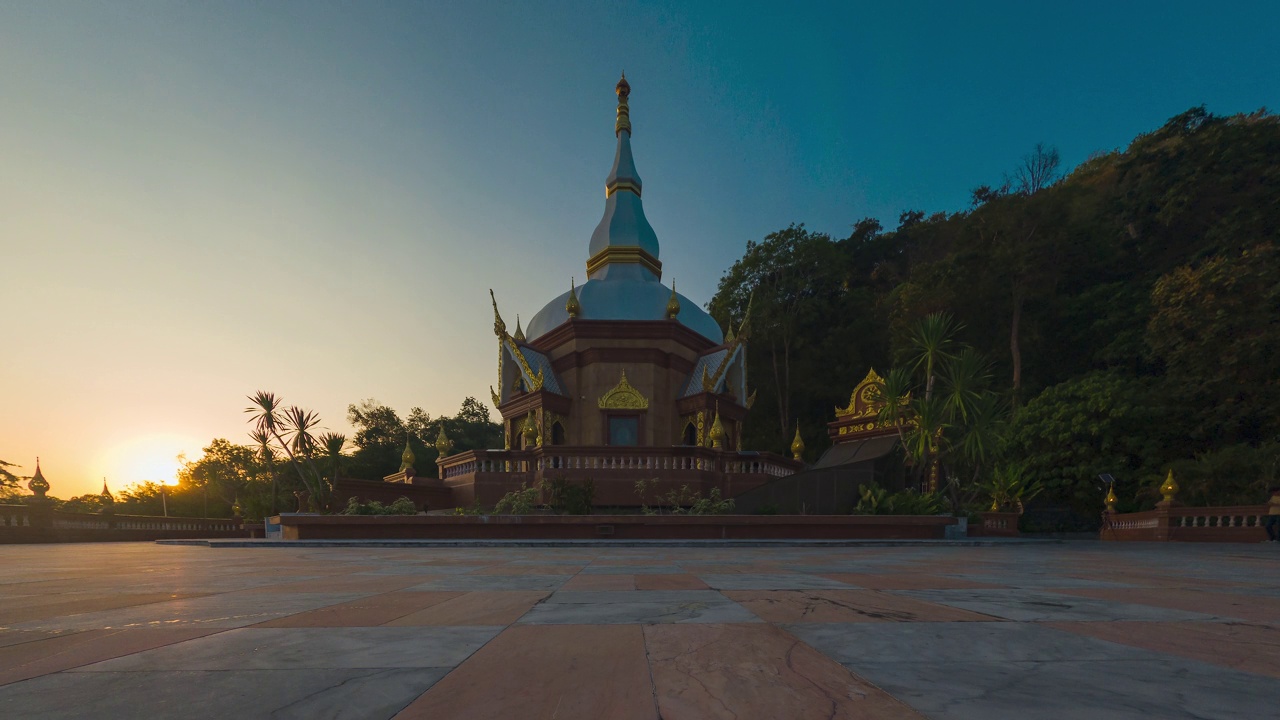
(1128, 312)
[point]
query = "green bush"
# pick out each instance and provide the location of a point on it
(402, 506)
(685, 501)
(518, 502)
(568, 498)
(875, 500)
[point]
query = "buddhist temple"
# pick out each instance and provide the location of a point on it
(620, 378)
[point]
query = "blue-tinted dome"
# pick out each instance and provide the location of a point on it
(619, 298)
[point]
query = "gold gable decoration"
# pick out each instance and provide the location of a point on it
(623, 397)
(863, 402)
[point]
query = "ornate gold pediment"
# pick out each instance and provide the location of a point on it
(623, 397)
(863, 401)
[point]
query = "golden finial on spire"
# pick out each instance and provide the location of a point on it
(623, 89)
(519, 336)
(572, 306)
(797, 445)
(499, 327)
(729, 336)
(673, 303)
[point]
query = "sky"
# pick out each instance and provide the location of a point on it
(203, 200)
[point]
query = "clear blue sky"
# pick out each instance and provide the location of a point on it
(199, 200)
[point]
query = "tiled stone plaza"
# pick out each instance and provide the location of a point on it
(1075, 630)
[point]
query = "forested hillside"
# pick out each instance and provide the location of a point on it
(1129, 310)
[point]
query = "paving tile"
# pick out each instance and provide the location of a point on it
(1244, 607)
(666, 581)
(905, 581)
(368, 611)
(347, 583)
(779, 581)
(1035, 605)
(1165, 688)
(959, 643)
(63, 652)
(755, 671)
(824, 606)
(216, 611)
(601, 582)
(563, 672)
(637, 607)
(493, 582)
(1239, 646)
(491, 607)
(514, 569)
(57, 608)
(611, 569)
(364, 694)
(315, 648)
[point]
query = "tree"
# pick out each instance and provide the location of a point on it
(1215, 327)
(271, 418)
(1038, 170)
(783, 278)
(7, 479)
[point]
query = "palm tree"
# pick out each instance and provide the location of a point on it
(270, 419)
(931, 341)
(267, 457)
(333, 444)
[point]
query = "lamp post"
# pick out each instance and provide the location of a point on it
(164, 500)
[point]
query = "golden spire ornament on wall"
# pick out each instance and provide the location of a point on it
(797, 445)
(717, 431)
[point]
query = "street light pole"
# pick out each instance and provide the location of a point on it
(164, 501)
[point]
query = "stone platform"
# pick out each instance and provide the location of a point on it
(1076, 630)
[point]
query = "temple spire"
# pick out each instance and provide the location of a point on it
(624, 244)
(519, 336)
(499, 327)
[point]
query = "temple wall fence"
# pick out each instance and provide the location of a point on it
(1176, 523)
(36, 524)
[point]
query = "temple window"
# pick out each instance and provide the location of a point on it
(690, 436)
(624, 430)
(557, 433)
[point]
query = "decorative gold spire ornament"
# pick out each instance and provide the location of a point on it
(37, 484)
(673, 303)
(1169, 488)
(623, 88)
(530, 431)
(729, 337)
(407, 458)
(797, 445)
(572, 306)
(717, 431)
(519, 336)
(443, 443)
(1110, 500)
(499, 327)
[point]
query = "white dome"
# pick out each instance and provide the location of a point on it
(617, 298)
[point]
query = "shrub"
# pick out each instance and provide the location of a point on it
(518, 502)
(875, 500)
(568, 498)
(402, 506)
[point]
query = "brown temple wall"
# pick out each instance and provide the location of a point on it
(622, 527)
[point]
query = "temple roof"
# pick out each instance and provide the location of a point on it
(623, 271)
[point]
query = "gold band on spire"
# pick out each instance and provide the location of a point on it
(624, 114)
